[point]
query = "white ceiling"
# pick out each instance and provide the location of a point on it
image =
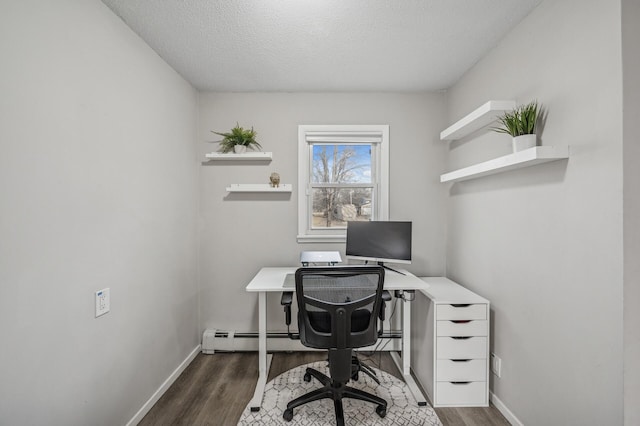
(322, 45)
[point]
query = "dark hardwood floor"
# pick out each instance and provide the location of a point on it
(215, 389)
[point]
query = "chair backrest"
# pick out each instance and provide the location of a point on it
(338, 306)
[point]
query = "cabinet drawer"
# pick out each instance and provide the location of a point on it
(469, 348)
(469, 393)
(465, 328)
(461, 312)
(471, 370)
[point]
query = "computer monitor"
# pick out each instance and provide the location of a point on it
(379, 241)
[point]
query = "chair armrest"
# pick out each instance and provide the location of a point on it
(286, 300)
(386, 297)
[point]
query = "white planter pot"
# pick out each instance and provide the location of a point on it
(239, 149)
(523, 142)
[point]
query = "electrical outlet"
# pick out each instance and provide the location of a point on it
(103, 302)
(496, 365)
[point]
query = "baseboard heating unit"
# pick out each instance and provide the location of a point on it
(214, 340)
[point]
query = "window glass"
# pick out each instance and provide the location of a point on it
(337, 163)
(333, 207)
(343, 175)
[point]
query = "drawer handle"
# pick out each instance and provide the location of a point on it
(460, 321)
(461, 337)
(461, 305)
(459, 383)
(460, 360)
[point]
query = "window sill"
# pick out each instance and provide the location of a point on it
(321, 238)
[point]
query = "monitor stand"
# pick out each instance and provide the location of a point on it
(390, 269)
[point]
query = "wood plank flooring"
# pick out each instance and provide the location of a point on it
(215, 389)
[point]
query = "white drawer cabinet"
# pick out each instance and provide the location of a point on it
(461, 347)
(473, 370)
(462, 328)
(461, 393)
(458, 320)
(461, 311)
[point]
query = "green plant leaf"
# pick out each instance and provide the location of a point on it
(238, 136)
(521, 121)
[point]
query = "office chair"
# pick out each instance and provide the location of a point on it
(338, 309)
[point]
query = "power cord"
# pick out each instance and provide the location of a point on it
(380, 345)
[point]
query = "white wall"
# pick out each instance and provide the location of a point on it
(631, 112)
(98, 188)
(242, 233)
(544, 244)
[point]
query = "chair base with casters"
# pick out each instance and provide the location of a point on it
(335, 388)
(358, 367)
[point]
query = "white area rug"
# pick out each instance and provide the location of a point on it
(402, 408)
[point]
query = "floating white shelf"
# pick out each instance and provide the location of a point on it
(219, 156)
(518, 160)
(484, 115)
(258, 187)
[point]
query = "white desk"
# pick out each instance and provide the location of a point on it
(271, 280)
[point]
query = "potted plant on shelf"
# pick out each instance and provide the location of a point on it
(521, 124)
(238, 140)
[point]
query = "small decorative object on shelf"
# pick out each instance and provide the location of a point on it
(238, 140)
(275, 180)
(521, 124)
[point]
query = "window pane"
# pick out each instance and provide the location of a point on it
(341, 163)
(333, 207)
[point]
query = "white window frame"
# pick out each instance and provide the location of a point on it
(376, 135)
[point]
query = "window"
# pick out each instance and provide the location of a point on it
(343, 175)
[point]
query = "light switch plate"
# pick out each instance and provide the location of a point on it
(103, 301)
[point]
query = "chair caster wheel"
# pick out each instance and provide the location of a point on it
(307, 377)
(381, 410)
(288, 414)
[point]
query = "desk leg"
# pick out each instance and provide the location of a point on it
(404, 363)
(264, 359)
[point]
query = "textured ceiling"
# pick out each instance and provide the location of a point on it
(321, 45)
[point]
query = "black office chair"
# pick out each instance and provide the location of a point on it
(338, 310)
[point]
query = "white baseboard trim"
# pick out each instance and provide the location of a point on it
(504, 410)
(163, 388)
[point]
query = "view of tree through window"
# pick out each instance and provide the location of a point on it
(342, 185)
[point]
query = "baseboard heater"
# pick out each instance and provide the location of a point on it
(214, 340)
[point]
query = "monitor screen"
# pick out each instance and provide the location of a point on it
(379, 241)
